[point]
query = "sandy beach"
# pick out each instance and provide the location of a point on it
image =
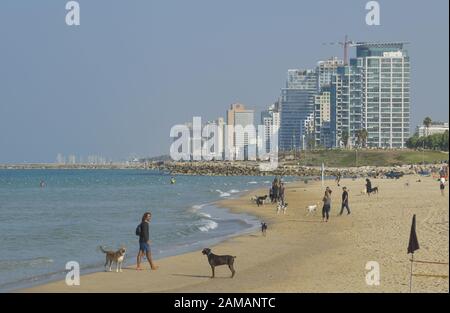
(302, 254)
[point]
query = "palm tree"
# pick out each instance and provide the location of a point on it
(358, 135)
(364, 134)
(345, 138)
(361, 137)
(427, 123)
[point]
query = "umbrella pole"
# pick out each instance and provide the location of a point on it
(411, 273)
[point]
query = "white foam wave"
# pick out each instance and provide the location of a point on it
(196, 207)
(208, 225)
(252, 182)
(233, 191)
(223, 194)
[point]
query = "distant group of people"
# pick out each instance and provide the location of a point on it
(276, 192)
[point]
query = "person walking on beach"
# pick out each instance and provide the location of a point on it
(275, 190)
(281, 193)
(144, 242)
(326, 205)
(368, 186)
(344, 201)
(442, 185)
(338, 178)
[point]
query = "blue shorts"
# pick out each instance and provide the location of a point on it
(145, 247)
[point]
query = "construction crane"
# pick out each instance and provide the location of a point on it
(346, 43)
(350, 43)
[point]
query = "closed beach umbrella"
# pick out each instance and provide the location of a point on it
(412, 246)
(413, 242)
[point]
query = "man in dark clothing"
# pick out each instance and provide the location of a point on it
(368, 186)
(144, 242)
(345, 201)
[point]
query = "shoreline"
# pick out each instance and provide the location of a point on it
(302, 254)
(249, 219)
(53, 277)
(222, 204)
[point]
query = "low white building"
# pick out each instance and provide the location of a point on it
(435, 128)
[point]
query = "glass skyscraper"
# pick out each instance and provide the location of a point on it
(346, 105)
(385, 97)
(296, 107)
(373, 93)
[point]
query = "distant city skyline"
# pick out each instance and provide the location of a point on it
(117, 83)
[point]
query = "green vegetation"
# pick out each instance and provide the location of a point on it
(366, 157)
(435, 142)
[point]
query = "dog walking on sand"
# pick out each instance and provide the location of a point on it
(217, 260)
(114, 257)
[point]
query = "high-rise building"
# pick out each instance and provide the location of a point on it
(60, 159)
(220, 122)
(71, 159)
(239, 141)
(346, 110)
(321, 115)
(325, 71)
(296, 107)
(217, 152)
(270, 119)
(372, 93)
(385, 97)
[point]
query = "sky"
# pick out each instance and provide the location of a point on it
(116, 84)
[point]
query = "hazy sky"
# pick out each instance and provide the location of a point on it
(117, 83)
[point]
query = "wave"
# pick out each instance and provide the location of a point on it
(252, 182)
(204, 214)
(196, 207)
(209, 224)
(233, 191)
(222, 193)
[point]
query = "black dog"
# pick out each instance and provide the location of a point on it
(216, 260)
(263, 228)
(374, 190)
(260, 200)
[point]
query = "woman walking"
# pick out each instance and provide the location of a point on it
(326, 205)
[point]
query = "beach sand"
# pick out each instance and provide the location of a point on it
(302, 254)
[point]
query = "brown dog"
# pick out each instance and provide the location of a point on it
(116, 257)
(216, 260)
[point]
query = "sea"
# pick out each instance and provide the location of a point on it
(42, 228)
